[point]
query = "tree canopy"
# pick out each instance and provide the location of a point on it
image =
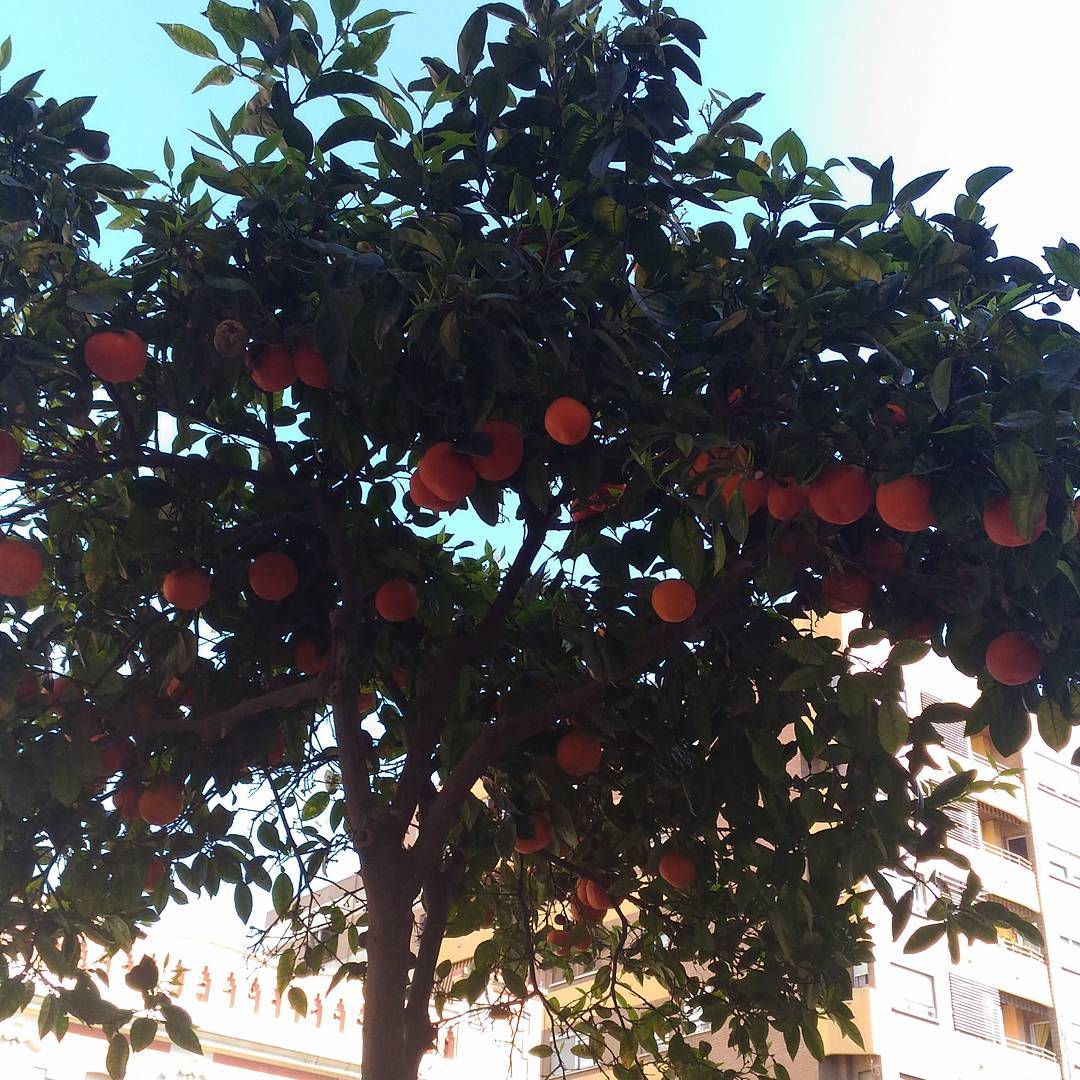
(447, 479)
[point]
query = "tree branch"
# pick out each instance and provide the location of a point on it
(221, 723)
(505, 734)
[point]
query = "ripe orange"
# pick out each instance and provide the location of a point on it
(125, 798)
(273, 576)
(187, 588)
(1013, 658)
(310, 656)
(905, 504)
(21, 567)
(786, 499)
(677, 870)
(446, 473)
(584, 913)
(674, 600)
(507, 450)
(115, 355)
(897, 414)
(845, 590)
(920, 629)
(396, 600)
(161, 801)
(111, 753)
(560, 940)
(424, 497)
(567, 421)
(841, 494)
(541, 835)
(365, 701)
(721, 460)
(181, 691)
(755, 490)
(10, 454)
(27, 688)
(273, 369)
(999, 525)
(578, 753)
(596, 896)
(154, 875)
(310, 367)
(881, 557)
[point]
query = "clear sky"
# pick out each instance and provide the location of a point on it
(936, 83)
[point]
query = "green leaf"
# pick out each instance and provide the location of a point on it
(286, 965)
(980, 182)
(892, 726)
(1010, 723)
(471, 41)
(354, 129)
(242, 901)
(1015, 462)
(609, 215)
(541, 1050)
(941, 384)
(848, 263)
(315, 805)
(282, 894)
(168, 155)
(688, 550)
(189, 40)
(143, 1032)
(1054, 724)
(5, 53)
(298, 1000)
(924, 937)
(105, 177)
(1065, 264)
(917, 188)
(178, 1028)
(219, 75)
(342, 9)
(116, 1059)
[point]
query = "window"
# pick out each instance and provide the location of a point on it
(976, 1009)
(914, 993)
(564, 1055)
(1064, 865)
(860, 976)
(908, 1076)
(1070, 954)
(1018, 845)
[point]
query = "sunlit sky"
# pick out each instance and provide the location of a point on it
(935, 83)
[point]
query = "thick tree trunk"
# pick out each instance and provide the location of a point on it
(387, 1053)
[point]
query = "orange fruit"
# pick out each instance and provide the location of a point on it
(721, 460)
(424, 497)
(596, 896)
(905, 504)
(841, 494)
(845, 590)
(273, 369)
(677, 870)
(10, 454)
(560, 940)
(154, 875)
(920, 629)
(27, 688)
(310, 367)
(186, 589)
(365, 701)
(310, 656)
(507, 450)
(1000, 527)
(1013, 658)
(786, 499)
(396, 600)
(273, 576)
(111, 755)
(578, 753)
(896, 413)
(541, 835)
(755, 490)
(161, 801)
(446, 473)
(125, 798)
(881, 557)
(674, 600)
(568, 421)
(115, 355)
(21, 567)
(181, 691)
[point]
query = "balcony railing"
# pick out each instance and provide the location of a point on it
(1005, 853)
(1031, 1049)
(1033, 952)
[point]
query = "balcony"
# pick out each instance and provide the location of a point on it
(1013, 967)
(1030, 1049)
(1012, 802)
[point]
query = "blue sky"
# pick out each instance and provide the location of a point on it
(936, 83)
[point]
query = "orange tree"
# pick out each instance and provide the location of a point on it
(250, 633)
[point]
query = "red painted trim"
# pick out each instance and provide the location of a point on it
(266, 1069)
(96, 1033)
